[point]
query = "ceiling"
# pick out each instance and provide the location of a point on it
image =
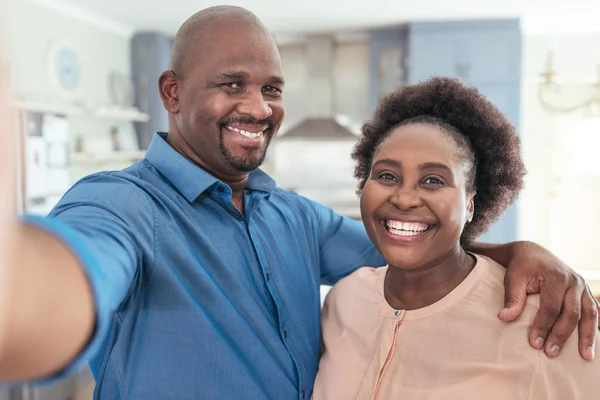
(300, 16)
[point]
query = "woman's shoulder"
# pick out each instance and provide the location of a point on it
(492, 278)
(363, 280)
(364, 275)
(565, 377)
(359, 291)
(489, 296)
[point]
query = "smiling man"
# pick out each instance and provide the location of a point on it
(224, 93)
(190, 275)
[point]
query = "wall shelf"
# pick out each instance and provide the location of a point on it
(110, 113)
(122, 114)
(50, 108)
(106, 157)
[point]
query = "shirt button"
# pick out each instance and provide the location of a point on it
(220, 189)
(303, 394)
(285, 334)
(268, 275)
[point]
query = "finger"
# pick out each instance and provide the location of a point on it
(597, 305)
(588, 325)
(568, 319)
(551, 297)
(515, 294)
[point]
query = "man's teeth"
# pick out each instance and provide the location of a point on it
(406, 228)
(251, 135)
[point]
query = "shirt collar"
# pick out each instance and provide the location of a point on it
(187, 177)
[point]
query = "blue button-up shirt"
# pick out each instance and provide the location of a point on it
(195, 300)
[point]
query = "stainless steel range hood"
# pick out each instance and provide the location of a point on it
(321, 122)
(322, 141)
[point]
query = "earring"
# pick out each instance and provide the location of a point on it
(469, 217)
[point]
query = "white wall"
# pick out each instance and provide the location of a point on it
(31, 32)
(560, 208)
(32, 29)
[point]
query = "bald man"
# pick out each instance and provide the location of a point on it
(190, 275)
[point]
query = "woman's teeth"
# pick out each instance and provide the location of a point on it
(406, 228)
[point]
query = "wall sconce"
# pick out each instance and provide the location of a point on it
(550, 86)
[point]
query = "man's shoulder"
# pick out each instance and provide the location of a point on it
(284, 194)
(132, 179)
(132, 175)
(285, 198)
(119, 191)
(106, 185)
(282, 198)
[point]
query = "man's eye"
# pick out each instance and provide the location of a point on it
(272, 90)
(232, 85)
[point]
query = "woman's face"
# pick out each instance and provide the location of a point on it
(415, 203)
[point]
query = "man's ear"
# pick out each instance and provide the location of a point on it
(168, 87)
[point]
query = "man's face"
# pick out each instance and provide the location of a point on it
(230, 99)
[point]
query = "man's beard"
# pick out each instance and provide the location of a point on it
(244, 163)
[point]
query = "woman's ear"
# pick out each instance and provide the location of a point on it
(168, 86)
(471, 206)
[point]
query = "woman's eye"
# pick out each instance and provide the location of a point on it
(432, 180)
(386, 176)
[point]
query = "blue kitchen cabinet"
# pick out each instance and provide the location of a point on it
(150, 55)
(388, 52)
(476, 52)
(506, 98)
(483, 54)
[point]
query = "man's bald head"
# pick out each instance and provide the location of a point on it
(195, 33)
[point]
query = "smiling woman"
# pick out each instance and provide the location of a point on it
(437, 164)
(461, 113)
